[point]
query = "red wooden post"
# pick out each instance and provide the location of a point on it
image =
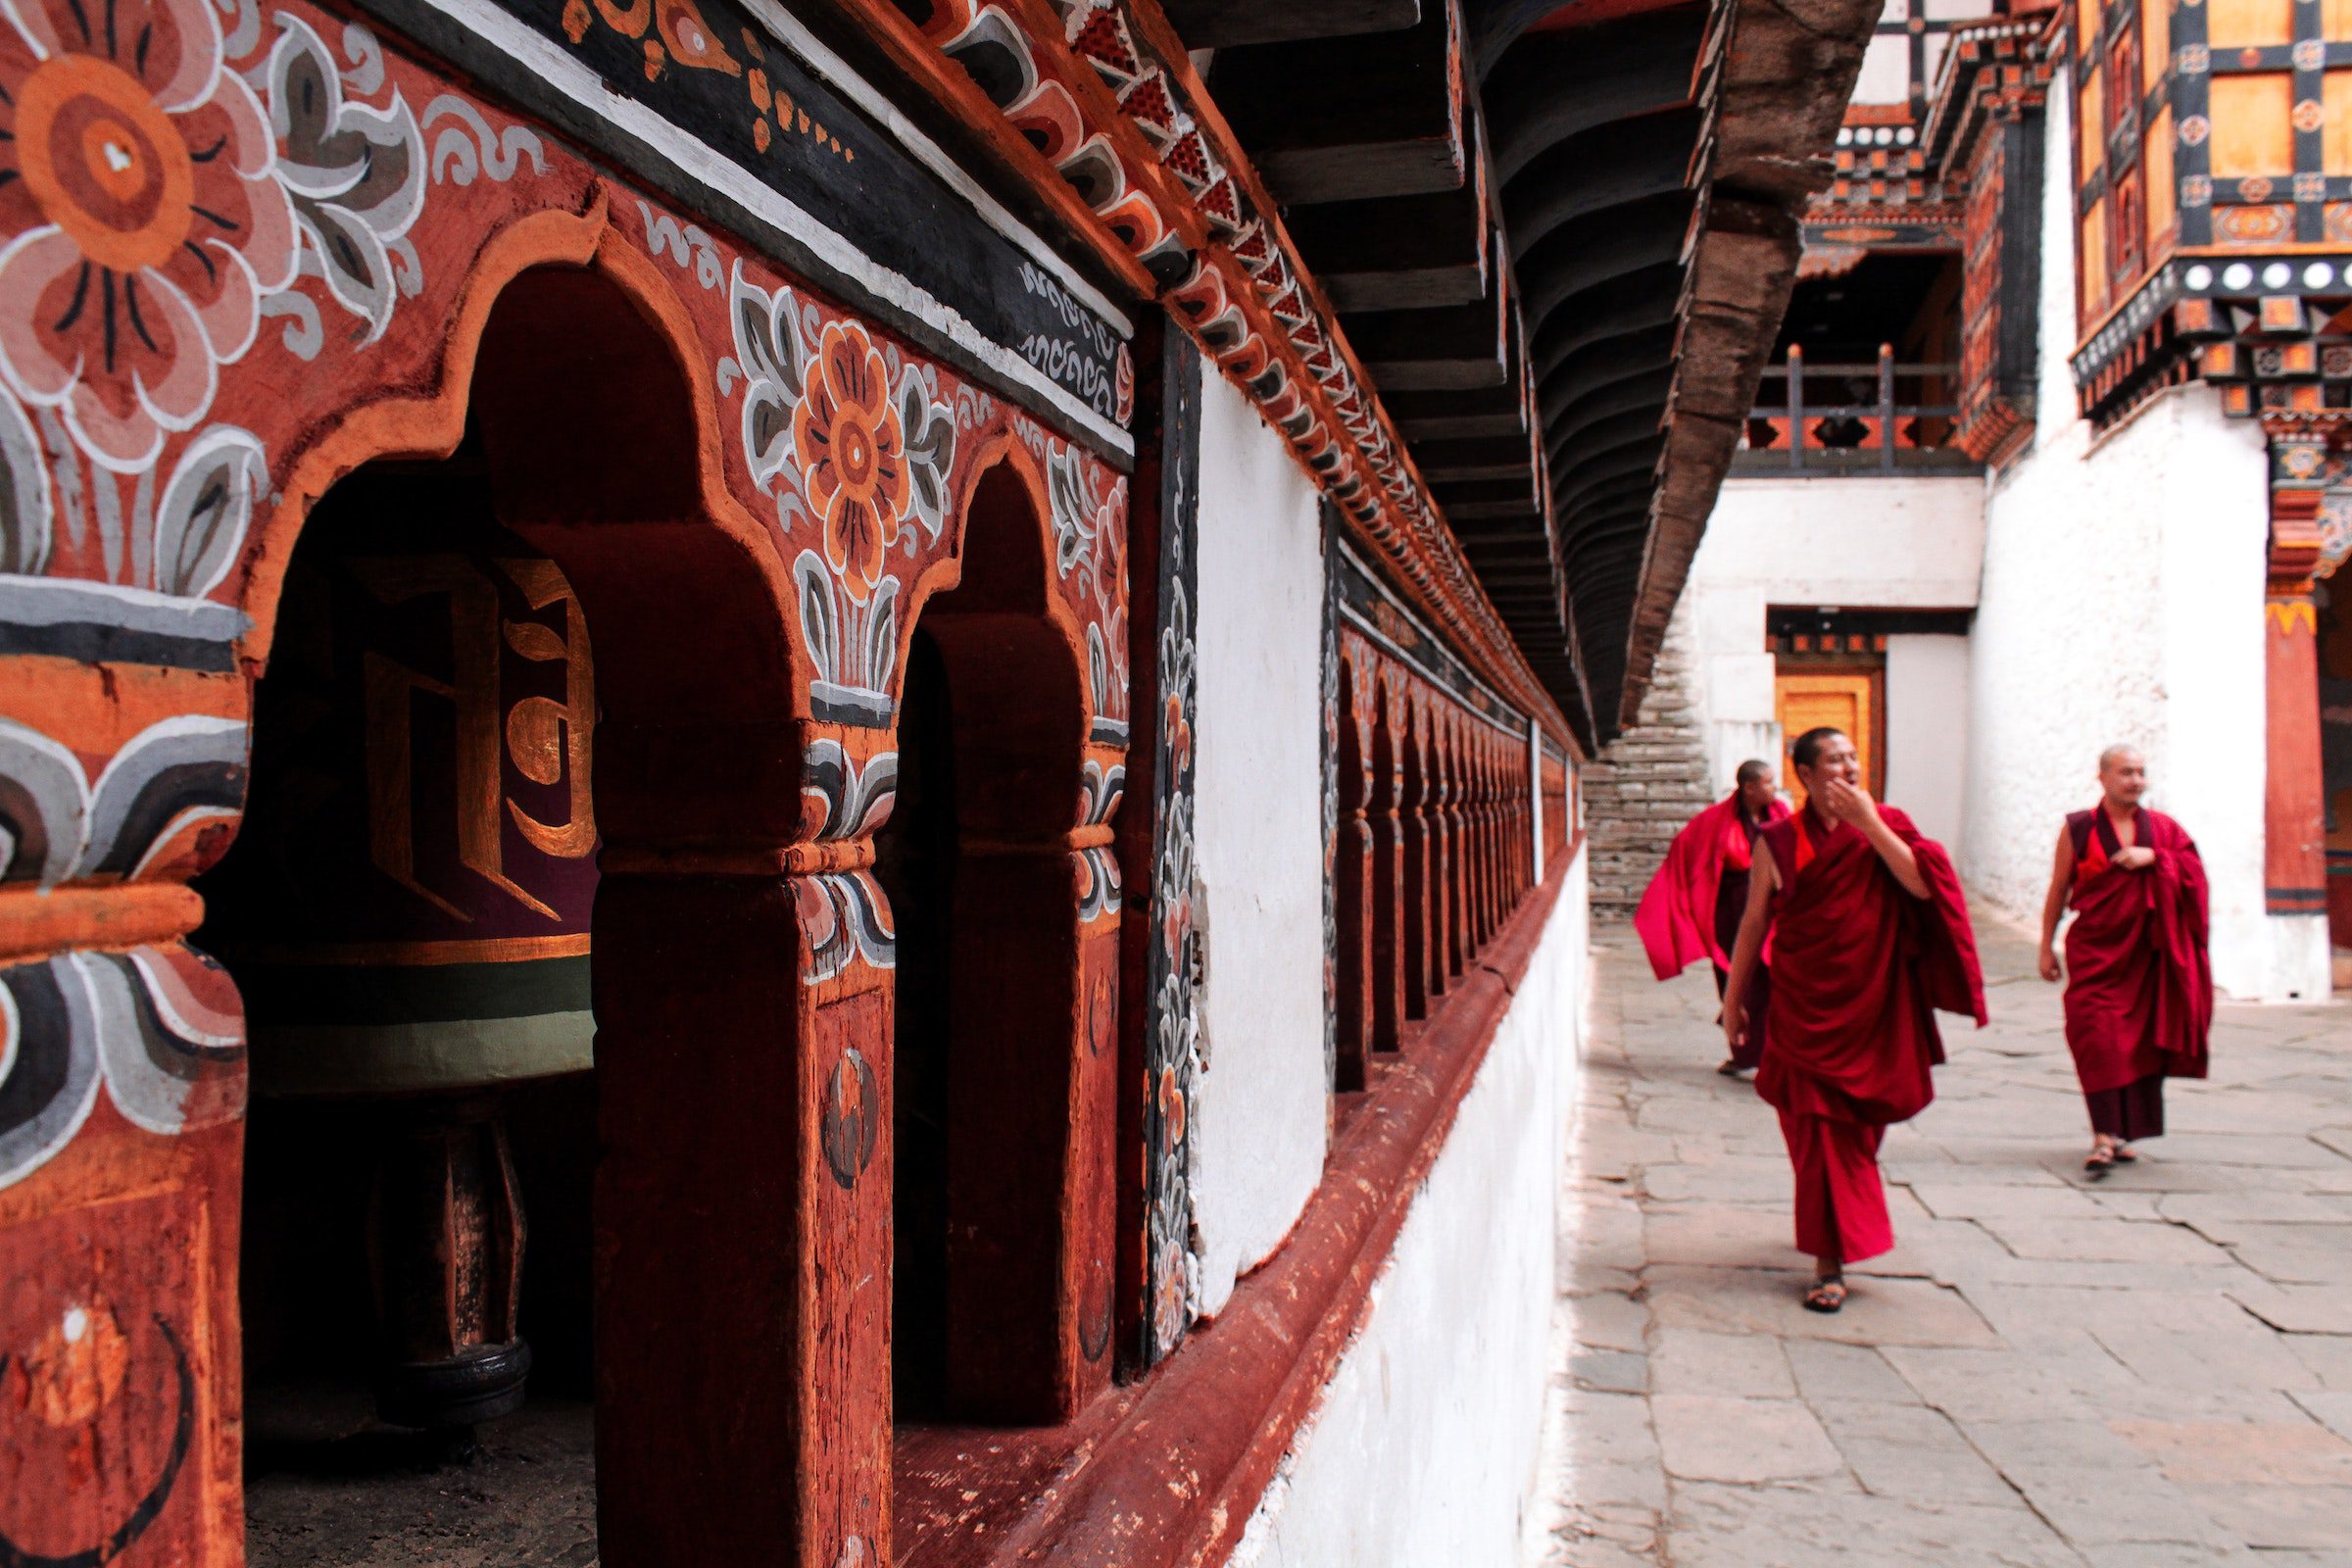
(1388, 876)
(2295, 842)
(1442, 851)
(119, 1237)
(1353, 870)
(1418, 844)
(1489, 861)
(1458, 852)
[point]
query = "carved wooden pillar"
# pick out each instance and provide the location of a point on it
(1524, 782)
(1473, 833)
(125, 1079)
(1030, 1216)
(1388, 877)
(744, 1053)
(1506, 784)
(1437, 816)
(1489, 849)
(1457, 856)
(1353, 867)
(2294, 840)
(1418, 843)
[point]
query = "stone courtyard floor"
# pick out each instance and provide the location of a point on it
(2153, 1371)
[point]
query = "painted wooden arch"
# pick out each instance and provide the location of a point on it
(404, 264)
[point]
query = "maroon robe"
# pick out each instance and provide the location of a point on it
(1859, 967)
(1693, 906)
(2139, 983)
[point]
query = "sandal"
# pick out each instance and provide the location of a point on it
(2098, 1166)
(1828, 1293)
(2124, 1156)
(1730, 1068)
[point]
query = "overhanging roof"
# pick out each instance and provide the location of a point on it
(1561, 239)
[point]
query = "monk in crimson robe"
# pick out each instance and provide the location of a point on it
(1870, 935)
(2139, 982)
(1692, 909)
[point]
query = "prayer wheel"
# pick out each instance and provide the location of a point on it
(407, 910)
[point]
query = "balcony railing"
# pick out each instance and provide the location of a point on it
(1854, 419)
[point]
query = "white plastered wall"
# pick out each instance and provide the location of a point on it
(1423, 1450)
(1926, 732)
(2122, 602)
(1257, 1131)
(1847, 542)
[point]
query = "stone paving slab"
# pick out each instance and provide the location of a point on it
(2152, 1372)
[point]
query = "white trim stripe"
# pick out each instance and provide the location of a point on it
(697, 162)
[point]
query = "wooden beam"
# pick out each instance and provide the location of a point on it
(1604, 361)
(1430, 416)
(1643, 386)
(1553, 87)
(1467, 510)
(1518, 490)
(1402, 253)
(1626, 305)
(1453, 347)
(1228, 23)
(1378, 115)
(1624, 160)
(1493, 457)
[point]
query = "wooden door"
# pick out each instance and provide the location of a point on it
(1848, 699)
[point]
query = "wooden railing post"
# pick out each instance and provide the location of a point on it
(1886, 407)
(1797, 407)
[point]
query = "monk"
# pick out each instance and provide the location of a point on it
(1868, 935)
(2139, 978)
(1692, 907)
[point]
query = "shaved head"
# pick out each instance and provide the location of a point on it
(1751, 770)
(2123, 776)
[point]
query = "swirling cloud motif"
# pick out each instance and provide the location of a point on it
(173, 780)
(27, 513)
(844, 919)
(851, 800)
(206, 510)
(1099, 790)
(771, 361)
(159, 1026)
(353, 171)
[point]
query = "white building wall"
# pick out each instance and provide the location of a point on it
(1927, 731)
(2121, 601)
(1260, 1110)
(1849, 542)
(1423, 1453)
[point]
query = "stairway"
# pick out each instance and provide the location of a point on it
(1645, 785)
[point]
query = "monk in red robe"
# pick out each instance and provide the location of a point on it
(1868, 935)
(2139, 981)
(1693, 906)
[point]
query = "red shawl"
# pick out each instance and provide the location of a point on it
(2139, 983)
(1677, 918)
(1859, 968)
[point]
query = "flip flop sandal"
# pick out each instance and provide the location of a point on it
(1731, 1069)
(1827, 1294)
(2124, 1156)
(2098, 1167)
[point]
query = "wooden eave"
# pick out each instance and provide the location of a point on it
(1167, 190)
(1580, 384)
(1784, 74)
